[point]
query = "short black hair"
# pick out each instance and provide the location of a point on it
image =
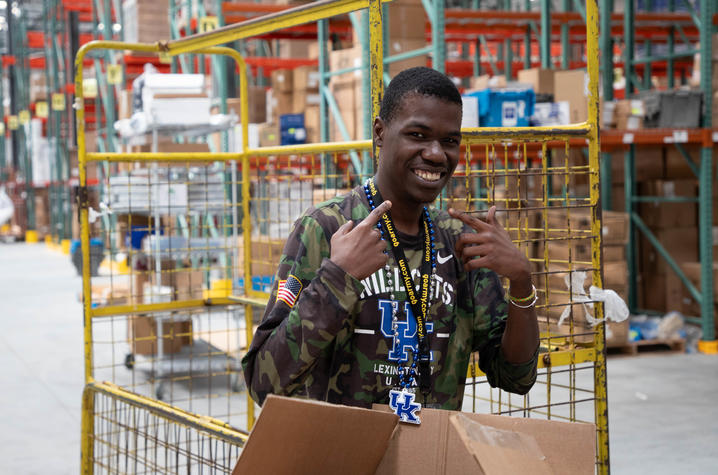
(419, 80)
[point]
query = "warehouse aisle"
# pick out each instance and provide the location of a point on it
(662, 406)
(41, 361)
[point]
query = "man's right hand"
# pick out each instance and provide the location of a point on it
(359, 250)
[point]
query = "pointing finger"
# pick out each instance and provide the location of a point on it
(375, 215)
(475, 223)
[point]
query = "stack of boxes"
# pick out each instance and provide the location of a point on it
(145, 22)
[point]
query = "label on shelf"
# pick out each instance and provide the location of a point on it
(628, 138)
(680, 136)
(89, 88)
(715, 136)
(58, 101)
(2, 128)
(24, 116)
(41, 109)
(114, 74)
(165, 58)
(12, 122)
(208, 23)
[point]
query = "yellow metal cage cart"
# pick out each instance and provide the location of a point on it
(189, 297)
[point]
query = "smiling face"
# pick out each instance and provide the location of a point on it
(419, 149)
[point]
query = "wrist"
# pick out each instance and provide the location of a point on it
(521, 287)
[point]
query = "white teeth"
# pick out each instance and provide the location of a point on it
(428, 176)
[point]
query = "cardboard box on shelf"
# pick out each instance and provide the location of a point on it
(302, 99)
(680, 243)
(145, 22)
(407, 21)
(143, 335)
(265, 256)
(614, 253)
(478, 83)
(403, 45)
(305, 78)
(269, 135)
(540, 79)
(282, 80)
(347, 92)
(652, 295)
(618, 197)
(294, 48)
(693, 272)
(676, 166)
(444, 443)
(614, 227)
(257, 105)
(648, 160)
(278, 104)
(572, 86)
(629, 114)
(667, 214)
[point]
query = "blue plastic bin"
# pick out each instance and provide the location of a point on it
(505, 107)
(291, 129)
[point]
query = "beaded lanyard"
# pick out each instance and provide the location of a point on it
(402, 400)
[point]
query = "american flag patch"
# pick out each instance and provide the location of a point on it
(288, 290)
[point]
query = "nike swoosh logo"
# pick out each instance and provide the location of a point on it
(442, 260)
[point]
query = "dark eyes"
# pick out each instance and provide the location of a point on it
(422, 136)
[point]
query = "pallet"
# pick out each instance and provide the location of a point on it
(677, 345)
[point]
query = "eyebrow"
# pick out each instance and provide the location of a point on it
(420, 125)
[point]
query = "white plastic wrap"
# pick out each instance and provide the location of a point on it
(614, 308)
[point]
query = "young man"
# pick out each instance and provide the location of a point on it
(341, 326)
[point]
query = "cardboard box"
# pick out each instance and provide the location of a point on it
(282, 80)
(143, 335)
(347, 93)
(485, 81)
(629, 114)
(294, 48)
(652, 292)
(306, 78)
(403, 45)
(302, 99)
(648, 161)
(617, 333)
(407, 21)
(680, 243)
(269, 135)
(614, 253)
(614, 227)
(314, 439)
(693, 272)
(669, 215)
(572, 86)
(540, 79)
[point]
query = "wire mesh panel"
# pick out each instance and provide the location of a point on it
(131, 436)
(282, 188)
(545, 196)
(171, 238)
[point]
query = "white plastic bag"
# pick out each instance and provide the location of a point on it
(614, 308)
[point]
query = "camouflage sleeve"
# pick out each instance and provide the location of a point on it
(290, 341)
(490, 314)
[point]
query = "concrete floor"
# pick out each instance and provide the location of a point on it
(662, 407)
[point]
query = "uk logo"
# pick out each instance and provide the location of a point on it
(404, 406)
(406, 339)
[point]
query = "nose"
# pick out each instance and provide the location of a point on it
(433, 152)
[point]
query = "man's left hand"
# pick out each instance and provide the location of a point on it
(491, 247)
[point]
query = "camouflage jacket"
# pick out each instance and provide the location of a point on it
(334, 343)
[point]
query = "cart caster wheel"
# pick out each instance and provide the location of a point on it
(129, 361)
(160, 391)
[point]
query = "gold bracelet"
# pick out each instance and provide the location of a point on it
(532, 297)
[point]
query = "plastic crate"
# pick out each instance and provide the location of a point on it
(505, 107)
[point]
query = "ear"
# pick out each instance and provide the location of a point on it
(378, 131)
